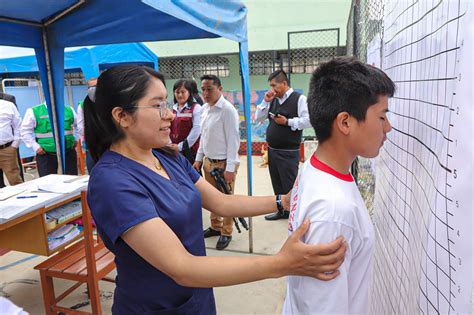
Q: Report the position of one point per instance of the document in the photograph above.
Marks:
(10, 191)
(62, 184)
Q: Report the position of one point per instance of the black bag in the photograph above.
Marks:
(186, 151)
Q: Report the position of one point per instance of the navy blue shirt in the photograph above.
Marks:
(122, 193)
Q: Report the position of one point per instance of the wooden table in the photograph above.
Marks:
(27, 230)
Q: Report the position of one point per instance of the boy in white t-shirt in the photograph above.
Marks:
(348, 103)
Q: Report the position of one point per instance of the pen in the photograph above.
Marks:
(25, 197)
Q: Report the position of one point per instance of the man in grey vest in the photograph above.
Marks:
(287, 112)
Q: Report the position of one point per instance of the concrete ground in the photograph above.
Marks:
(20, 282)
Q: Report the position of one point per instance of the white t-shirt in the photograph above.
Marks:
(333, 204)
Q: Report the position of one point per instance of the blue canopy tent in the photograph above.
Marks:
(90, 60)
(50, 26)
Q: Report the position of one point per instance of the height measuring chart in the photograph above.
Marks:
(423, 210)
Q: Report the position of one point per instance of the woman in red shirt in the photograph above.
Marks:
(186, 126)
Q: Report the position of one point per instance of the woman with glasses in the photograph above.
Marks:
(147, 206)
(186, 125)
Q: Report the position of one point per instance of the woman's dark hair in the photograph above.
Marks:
(344, 84)
(120, 86)
(195, 92)
(187, 85)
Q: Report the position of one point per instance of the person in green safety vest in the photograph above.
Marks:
(91, 83)
(36, 132)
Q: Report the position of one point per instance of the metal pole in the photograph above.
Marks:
(64, 12)
(53, 102)
(338, 38)
(243, 46)
(356, 29)
(289, 61)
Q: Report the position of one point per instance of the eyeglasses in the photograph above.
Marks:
(163, 106)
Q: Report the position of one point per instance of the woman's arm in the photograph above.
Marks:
(237, 205)
(158, 245)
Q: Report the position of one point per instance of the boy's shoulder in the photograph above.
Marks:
(322, 197)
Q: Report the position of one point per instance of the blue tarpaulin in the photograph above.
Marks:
(88, 59)
(50, 26)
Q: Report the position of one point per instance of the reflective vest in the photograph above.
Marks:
(44, 133)
(182, 125)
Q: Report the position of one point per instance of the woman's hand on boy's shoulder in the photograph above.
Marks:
(320, 261)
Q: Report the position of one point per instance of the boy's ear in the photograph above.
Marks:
(343, 123)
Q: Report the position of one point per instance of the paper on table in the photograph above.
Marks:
(10, 191)
(61, 186)
(13, 206)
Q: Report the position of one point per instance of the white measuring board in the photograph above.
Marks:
(423, 210)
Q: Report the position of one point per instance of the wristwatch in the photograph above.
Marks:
(280, 208)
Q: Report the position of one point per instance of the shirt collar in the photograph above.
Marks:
(327, 169)
(219, 103)
(286, 95)
(176, 106)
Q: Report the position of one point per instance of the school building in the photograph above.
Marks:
(291, 35)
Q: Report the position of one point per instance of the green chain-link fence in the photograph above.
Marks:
(364, 26)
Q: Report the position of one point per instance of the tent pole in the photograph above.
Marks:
(244, 69)
(19, 21)
(53, 102)
(64, 12)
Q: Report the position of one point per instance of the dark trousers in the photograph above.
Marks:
(283, 167)
(48, 163)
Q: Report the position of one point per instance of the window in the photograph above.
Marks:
(306, 60)
(262, 63)
(194, 67)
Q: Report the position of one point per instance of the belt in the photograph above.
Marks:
(6, 145)
(215, 160)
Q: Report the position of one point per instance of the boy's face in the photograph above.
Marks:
(370, 134)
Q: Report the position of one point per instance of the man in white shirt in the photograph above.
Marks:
(219, 148)
(10, 98)
(287, 112)
(348, 105)
(36, 133)
(10, 122)
(91, 84)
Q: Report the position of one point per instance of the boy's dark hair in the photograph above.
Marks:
(344, 84)
(120, 86)
(279, 76)
(215, 80)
